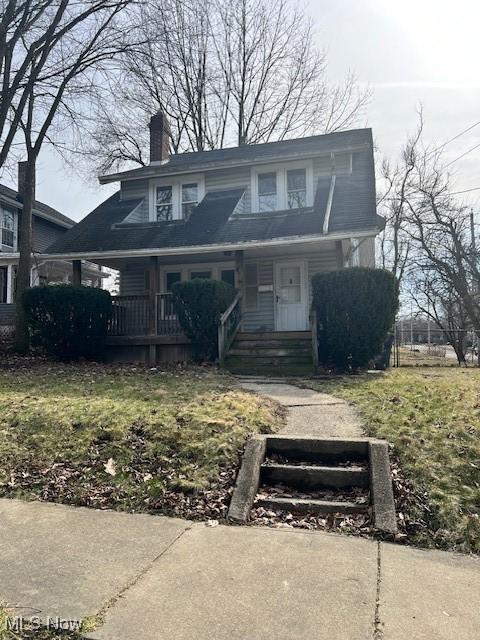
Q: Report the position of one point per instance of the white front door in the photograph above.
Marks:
(290, 296)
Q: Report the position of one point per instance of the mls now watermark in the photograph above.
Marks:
(18, 624)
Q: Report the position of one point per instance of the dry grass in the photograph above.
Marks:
(431, 417)
(125, 438)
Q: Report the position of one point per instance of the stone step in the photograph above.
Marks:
(274, 335)
(314, 477)
(303, 505)
(325, 451)
(239, 350)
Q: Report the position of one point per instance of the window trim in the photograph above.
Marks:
(281, 171)
(13, 230)
(176, 183)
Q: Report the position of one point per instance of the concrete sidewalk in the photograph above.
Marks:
(162, 578)
(310, 413)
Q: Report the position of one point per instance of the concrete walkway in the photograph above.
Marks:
(161, 578)
(310, 413)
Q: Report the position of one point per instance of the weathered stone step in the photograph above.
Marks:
(314, 477)
(326, 451)
(274, 335)
(267, 351)
(303, 505)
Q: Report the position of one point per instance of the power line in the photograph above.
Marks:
(454, 137)
(463, 155)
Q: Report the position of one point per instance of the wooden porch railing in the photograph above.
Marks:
(132, 316)
(166, 323)
(228, 327)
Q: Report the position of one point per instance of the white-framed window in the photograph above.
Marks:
(164, 203)
(267, 191)
(7, 228)
(282, 187)
(175, 198)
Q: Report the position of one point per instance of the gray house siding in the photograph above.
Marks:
(7, 315)
(44, 233)
(340, 164)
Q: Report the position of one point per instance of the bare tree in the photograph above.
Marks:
(437, 300)
(50, 95)
(225, 72)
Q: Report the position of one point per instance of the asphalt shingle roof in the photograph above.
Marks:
(214, 220)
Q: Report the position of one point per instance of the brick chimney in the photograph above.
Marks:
(159, 137)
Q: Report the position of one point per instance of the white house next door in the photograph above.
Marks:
(290, 296)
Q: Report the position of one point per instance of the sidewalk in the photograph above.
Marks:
(163, 578)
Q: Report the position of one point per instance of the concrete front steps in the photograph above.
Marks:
(318, 476)
(285, 352)
(294, 468)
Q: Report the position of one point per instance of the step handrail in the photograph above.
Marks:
(228, 327)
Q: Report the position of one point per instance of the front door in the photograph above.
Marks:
(290, 296)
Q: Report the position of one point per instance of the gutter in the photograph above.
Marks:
(209, 248)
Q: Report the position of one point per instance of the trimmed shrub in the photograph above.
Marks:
(199, 304)
(68, 321)
(356, 310)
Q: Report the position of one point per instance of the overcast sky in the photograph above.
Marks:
(409, 52)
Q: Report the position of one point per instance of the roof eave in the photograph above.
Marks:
(211, 248)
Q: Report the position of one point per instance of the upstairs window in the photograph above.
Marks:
(282, 187)
(296, 188)
(7, 224)
(267, 191)
(174, 198)
(164, 204)
(189, 199)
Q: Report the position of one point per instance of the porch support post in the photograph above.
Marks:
(152, 301)
(240, 270)
(339, 254)
(77, 272)
(240, 277)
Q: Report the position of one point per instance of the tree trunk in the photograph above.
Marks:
(24, 264)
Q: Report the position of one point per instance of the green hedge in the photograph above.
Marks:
(67, 321)
(199, 304)
(356, 310)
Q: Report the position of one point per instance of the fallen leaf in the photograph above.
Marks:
(110, 467)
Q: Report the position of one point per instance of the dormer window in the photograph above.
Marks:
(175, 198)
(189, 198)
(296, 188)
(164, 205)
(281, 187)
(267, 191)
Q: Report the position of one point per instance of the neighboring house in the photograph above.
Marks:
(263, 217)
(48, 225)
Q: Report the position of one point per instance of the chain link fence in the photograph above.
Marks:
(430, 346)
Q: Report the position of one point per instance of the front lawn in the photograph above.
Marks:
(125, 438)
(431, 417)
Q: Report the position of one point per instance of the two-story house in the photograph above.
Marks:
(262, 217)
(48, 225)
